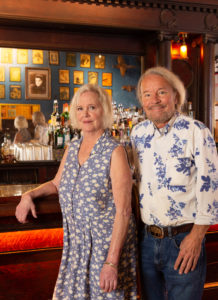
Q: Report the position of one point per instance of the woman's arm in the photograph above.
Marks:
(27, 205)
(121, 187)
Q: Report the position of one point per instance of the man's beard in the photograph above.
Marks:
(163, 118)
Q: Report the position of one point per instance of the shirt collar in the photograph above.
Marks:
(164, 130)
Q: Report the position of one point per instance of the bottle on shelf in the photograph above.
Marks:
(59, 137)
(7, 150)
(55, 113)
(191, 112)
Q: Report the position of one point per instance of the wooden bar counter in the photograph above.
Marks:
(30, 253)
(48, 210)
(27, 172)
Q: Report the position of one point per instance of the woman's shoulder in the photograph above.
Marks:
(110, 140)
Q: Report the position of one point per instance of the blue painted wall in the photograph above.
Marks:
(128, 99)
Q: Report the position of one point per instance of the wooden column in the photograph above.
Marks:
(164, 50)
(206, 100)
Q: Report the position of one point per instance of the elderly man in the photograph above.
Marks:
(176, 163)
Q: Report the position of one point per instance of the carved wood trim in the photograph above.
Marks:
(175, 5)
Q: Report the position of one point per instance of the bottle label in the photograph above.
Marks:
(59, 140)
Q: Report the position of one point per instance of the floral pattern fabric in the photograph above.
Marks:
(177, 169)
(88, 210)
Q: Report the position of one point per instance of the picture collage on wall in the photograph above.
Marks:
(38, 79)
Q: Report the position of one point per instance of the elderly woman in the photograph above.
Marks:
(41, 128)
(23, 135)
(94, 185)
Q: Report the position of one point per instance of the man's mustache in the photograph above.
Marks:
(156, 106)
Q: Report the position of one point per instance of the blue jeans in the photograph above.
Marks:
(159, 280)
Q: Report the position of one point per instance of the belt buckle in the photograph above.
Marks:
(156, 231)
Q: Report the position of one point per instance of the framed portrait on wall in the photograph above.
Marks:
(6, 55)
(64, 76)
(38, 83)
(2, 91)
(85, 60)
(15, 74)
(106, 79)
(99, 61)
(2, 73)
(78, 77)
(37, 57)
(64, 92)
(53, 57)
(22, 56)
(71, 59)
(15, 91)
(93, 77)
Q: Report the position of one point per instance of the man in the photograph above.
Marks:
(177, 165)
(39, 86)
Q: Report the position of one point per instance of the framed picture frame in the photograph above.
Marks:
(93, 77)
(37, 57)
(106, 79)
(99, 61)
(64, 76)
(85, 60)
(109, 91)
(64, 93)
(15, 74)
(38, 83)
(22, 56)
(53, 57)
(15, 91)
(2, 74)
(75, 90)
(78, 77)
(70, 59)
(2, 91)
(6, 55)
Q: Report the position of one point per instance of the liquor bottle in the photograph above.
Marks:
(55, 113)
(66, 134)
(59, 137)
(51, 135)
(191, 112)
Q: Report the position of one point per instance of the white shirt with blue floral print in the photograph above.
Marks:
(177, 169)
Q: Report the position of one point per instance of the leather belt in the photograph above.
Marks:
(162, 232)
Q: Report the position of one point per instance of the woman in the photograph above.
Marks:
(23, 135)
(41, 128)
(94, 185)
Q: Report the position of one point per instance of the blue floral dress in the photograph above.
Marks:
(88, 215)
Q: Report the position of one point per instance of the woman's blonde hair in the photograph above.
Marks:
(20, 122)
(38, 118)
(104, 100)
(173, 80)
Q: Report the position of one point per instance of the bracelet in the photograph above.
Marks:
(110, 264)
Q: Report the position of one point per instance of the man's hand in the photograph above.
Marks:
(108, 278)
(190, 249)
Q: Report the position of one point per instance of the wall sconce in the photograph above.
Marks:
(183, 47)
(179, 49)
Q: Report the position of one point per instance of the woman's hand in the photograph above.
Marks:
(108, 278)
(24, 207)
